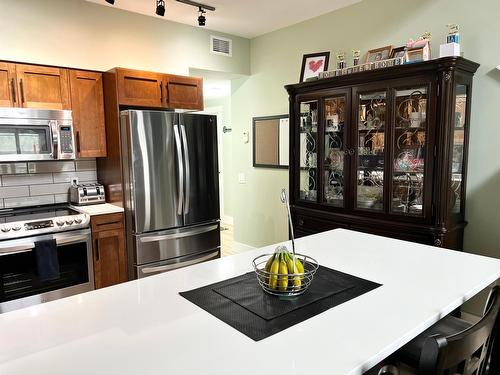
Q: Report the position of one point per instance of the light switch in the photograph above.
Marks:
(245, 137)
(242, 178)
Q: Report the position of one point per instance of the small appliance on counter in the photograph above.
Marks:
(85, 194)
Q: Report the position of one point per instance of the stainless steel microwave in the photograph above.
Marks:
(35, 134)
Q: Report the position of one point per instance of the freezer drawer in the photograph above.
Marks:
(174, 243)
(172, 264)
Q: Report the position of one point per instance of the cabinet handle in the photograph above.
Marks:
(13, 88)
(161, 92)
(21, 86)
(109, 223)
(352, 152)
(78, 141)
(168, 92)
(346, 152)
(301, 222)
(96, 249)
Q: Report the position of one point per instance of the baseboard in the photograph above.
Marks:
(239, 247)
(228, 220)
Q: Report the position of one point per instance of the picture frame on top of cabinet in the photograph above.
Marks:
(378, 54)
(313, 64)
(398, 52)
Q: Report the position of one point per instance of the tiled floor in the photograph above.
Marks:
(227, 240)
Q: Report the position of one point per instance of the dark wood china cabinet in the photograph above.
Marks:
(383, 151)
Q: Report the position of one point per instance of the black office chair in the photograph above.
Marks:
(453, 346)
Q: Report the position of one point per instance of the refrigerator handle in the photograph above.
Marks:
(188, 169)
(180, 169)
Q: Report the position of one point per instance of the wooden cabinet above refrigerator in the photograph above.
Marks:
(137, 88)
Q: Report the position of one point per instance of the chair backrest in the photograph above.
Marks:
(467, 352)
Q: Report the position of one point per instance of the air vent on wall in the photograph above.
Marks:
(221, 46)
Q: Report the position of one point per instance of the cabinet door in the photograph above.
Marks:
(370, 136)
(335, 152)
(307, 178)
(411, 150)
(109, 251)
(138, 88)
(8, 93)
(184, 92)
(43, 87)
(88, 113)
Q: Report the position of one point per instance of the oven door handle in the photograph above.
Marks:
(24, 248)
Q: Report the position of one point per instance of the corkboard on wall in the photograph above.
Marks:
(267, 142)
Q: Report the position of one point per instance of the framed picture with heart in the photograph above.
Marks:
(313, 64)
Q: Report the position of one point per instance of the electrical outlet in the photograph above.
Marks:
(242, 178)
(74, 180)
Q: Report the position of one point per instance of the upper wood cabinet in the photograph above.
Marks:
(184, 92)
(155, 90)
(8, 94)
(88, 113)
(42, 87)
(138, 88)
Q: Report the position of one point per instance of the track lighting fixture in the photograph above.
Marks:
(202, 8)
(160, 7)
(112, 2)
(201, 18)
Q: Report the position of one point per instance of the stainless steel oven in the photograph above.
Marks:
(35, 134)
(20, 285)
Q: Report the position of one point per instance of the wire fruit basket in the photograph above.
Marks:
(285, 284)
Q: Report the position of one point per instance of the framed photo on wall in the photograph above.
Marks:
(378, 54)
(313, 64)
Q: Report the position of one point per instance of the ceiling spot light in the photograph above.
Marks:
(112, 2)
(201, 18)
(160, 7)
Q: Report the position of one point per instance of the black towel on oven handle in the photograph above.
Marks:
(46, 260)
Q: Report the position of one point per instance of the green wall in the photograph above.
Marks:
(80, 34)
(275, 61)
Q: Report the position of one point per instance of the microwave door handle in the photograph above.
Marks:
(55, 139)
(188, 169)
(180, 169)
(173, 266)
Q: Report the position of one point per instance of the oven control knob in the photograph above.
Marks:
(5, 228)
(60, 223)
(78, 220)
(69, 221)
(16, 227)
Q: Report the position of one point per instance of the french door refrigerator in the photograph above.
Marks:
(171, 189)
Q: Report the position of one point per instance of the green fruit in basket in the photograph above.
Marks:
(273, 279)
(283, 270)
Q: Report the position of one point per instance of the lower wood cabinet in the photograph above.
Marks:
(108, 247)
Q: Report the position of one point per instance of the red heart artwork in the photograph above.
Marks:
(315, 65)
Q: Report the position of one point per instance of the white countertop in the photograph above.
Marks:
(98, 209)
(145, 327)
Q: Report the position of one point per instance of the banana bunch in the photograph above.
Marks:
(284, 272)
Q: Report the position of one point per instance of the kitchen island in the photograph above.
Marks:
(146, 327)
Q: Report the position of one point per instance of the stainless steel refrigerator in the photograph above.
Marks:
(171, 189)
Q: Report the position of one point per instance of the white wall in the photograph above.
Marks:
(80, 34)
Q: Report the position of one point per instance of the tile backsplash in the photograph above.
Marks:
(47, 182)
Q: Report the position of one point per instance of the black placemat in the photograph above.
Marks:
(258, 328)
(246, 292)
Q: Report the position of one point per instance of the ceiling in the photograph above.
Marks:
(246, 18)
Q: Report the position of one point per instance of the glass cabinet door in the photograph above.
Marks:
(308, 151)
(457, 160)
(409, 150)
(370, 133)
(335, 145)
